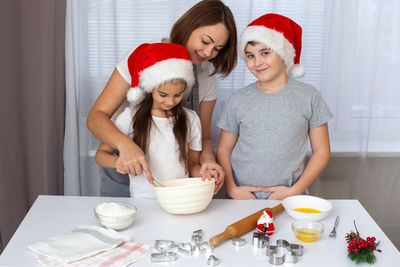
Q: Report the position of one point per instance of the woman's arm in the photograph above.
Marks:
(227, 142)
(320, 147)
(209, 167)
(99, 123)
(193, 163)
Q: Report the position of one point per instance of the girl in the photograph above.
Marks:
(167, 133)
(208, 31)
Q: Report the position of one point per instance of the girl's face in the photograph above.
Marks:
(263, 63)
(167, 96)
(205, 42)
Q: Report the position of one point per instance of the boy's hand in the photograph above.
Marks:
(211, 170)
(244, 192)
(279, 192)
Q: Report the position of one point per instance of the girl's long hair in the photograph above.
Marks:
(143, 122)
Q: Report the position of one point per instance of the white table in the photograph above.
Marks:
(52, 215)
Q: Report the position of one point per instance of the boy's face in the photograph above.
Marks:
(263, 63)
(167, 96)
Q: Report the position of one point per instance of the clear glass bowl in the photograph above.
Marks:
(107, 215)
(307, 231)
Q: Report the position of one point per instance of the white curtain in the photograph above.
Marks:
(350, 51)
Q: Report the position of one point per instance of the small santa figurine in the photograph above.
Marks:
(265, 224)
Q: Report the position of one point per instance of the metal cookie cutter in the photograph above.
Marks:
(284, 252)
(213, 261)
(238, 241)
(260, 240)
(206, 248)
(185, 249)
(164, 256)
(164, 245)
(197, 236)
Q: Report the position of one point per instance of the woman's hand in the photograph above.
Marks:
(132, 160)
(212, 170)
(280, 192)
(244, 192)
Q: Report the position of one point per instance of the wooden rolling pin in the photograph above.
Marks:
(243, 226)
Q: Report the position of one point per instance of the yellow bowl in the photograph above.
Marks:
(185, 196)
(301, 207)
(307, 231)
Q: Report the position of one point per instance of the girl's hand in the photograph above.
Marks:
(244, 192)
(132, 160)
(279, 192)
(212, 170)
(121, 168)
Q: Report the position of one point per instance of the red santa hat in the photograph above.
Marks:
(152, 65)
(279, 33)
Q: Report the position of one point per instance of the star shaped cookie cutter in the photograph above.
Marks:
(284, 252)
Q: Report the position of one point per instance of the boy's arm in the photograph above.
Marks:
(227, 142)
(105, 157)
(319, 140)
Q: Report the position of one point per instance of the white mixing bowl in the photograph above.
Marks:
(310, 202)
(185, 196)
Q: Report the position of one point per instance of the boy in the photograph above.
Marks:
(265, 125)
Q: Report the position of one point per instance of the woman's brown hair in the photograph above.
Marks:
(143, 121)
(205, 13)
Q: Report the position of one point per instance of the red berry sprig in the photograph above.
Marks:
(362, 250)
(356, 246)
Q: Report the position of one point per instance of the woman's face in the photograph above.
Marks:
(205, 42)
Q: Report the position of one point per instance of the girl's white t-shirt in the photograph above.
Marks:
(163, 150)
(208, 85)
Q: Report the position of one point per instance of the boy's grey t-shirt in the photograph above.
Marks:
(273, 132)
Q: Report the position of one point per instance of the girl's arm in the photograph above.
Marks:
(227, 142)
(98, 122)
(320, 147)
(209, 166)
(105, 157)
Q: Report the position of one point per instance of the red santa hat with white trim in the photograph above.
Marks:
(279, 33)
(151, 65)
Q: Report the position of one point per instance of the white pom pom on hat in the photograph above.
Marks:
(279, 33)
(135, 95)
(297, 71)
(151, 65)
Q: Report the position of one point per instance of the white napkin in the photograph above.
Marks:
(81, 242)
(123, 255)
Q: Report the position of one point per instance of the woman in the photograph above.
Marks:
(208, 32)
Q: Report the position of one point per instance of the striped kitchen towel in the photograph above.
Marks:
(123, 255)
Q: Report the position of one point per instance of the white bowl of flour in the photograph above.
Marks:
(115, 215)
